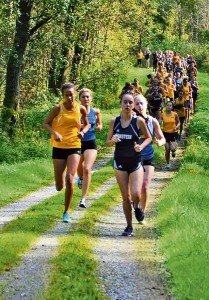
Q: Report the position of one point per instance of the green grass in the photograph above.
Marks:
(183, 217)
(16, 237)
(22, 178)
(75, 269)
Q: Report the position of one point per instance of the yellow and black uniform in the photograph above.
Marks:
(169, 126)
(68, 124)
(139, 56)
(186, 94)
(178, 106)
(170, 91)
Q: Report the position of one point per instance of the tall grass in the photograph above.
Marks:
(183, 217)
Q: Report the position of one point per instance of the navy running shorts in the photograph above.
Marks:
(127, 164)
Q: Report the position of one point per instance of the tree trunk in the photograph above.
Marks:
(79, 51)
(14, 65)
(76, 62)
(56, 73)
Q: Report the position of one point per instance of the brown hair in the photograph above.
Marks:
(68, 85)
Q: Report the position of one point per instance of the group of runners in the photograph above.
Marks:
(170, 98)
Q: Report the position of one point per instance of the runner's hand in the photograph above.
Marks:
(57, 137)
(137, 147)
(115, 138)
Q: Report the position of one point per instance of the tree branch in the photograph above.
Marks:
(39, 25)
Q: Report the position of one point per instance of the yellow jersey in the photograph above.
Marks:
(180, 110)
(169, 122)
(186, 91)
(68, 124)
(139, 55)
(170, 89)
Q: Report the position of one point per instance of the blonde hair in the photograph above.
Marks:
(140, 97)
(85, 90)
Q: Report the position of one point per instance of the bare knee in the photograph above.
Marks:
(69, 179)
(86, 170)
(136, 195)
(145, 185)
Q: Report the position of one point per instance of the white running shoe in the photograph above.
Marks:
(82, 203)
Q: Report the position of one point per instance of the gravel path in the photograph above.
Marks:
(30, 278)
(12, 211)
(130, 267)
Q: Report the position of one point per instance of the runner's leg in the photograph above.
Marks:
(89, 159)
(72, 165)
(59, 172)
(148, 174)
(122, 178)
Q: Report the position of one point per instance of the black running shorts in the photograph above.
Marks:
(85, 145)
(61, 153)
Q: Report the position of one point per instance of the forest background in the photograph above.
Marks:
(46, 43)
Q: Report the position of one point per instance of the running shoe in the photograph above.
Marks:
(139, 214)
(66, 217)
(168, 166)
(82, 203)
(128, 231)
(80, 183)
(173, 153)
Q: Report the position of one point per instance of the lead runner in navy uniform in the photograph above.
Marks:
(124, 132)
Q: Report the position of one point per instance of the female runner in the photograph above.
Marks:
(64, 125)
(171, 125)
(88, 144)
(147, 154)
(124, 132)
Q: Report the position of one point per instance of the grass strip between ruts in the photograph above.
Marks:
(74, 268)
(17, 236)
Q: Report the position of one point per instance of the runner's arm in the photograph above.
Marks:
(111, 138)
(145, 132)
(47, 124)
(85, 122)
(99, 119)
(159, 137)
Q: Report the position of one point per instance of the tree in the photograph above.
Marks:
(23, 32)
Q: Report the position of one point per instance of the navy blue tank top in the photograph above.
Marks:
(128, 135)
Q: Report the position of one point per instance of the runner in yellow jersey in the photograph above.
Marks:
(187, 95)
(64, 125)
(170, 88)
(179, 108)
(139, 56)
(171, 125)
